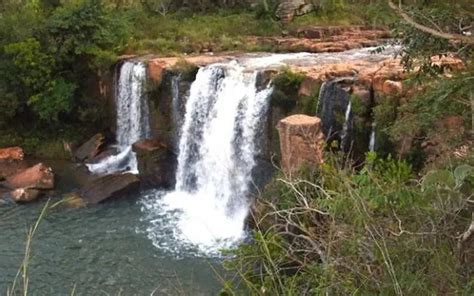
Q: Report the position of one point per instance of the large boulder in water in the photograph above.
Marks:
(39, 176)
(156, 163)
(91, 148)
(301, 142)
(107, 187)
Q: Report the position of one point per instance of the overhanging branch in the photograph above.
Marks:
(408, 19)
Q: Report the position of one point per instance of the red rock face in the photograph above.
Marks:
(301, 142)
(11, 153)
(36, 177)
(156, 69)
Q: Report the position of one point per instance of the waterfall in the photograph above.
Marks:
(217, 151)
(132, 119)
(372, 137)
(345, 135)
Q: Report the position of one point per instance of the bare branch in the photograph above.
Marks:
(449, 36)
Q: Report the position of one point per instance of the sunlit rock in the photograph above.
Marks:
(301, 142)
(39, 176)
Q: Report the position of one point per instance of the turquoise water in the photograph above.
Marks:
(99, 250)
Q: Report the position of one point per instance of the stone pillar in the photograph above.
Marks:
(301, 142)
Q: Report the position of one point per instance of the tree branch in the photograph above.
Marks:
(408, 19)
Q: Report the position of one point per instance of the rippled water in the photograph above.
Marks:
(101, 250)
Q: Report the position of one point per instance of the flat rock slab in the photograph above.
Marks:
(39, 176)
(110, 186)
(91, 148)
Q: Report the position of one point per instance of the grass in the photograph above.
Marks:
(229, 30)
(20, 284)
(338, 231)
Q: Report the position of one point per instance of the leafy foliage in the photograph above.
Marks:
(374, 231)
(45, 67)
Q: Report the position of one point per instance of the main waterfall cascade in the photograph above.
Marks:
(216, 157)
(217, 149)
(132, 119)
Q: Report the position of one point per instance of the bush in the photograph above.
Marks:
(376, 231)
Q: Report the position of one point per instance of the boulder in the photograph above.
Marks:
(11, 154)
(24, 195)
(107, 187)
(301, 142)
(391, 87)
(91, 148)
(39, 176)
(156, 163)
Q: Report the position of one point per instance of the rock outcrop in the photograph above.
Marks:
(156, 163)
(288, 9)
(107, 187)
(27, 184)
(317, 39)
(301, 142)
(91, 148)
(39, 177)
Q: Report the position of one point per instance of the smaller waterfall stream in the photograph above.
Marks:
(345, 128)
(132, 120)
(372, 137)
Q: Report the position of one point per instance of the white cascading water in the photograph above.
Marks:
(216, 157)
(132, 120)
(345, 127)
(372, 138)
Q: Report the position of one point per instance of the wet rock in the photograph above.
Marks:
(156, 163)
(39, 176)
(91, 148)
(24, 195)
(301, 142)
(107, 152)
(332, 107)
(107, 187)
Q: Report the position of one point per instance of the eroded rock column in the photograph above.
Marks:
(301, 142)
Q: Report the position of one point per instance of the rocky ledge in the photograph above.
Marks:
(21, 183)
